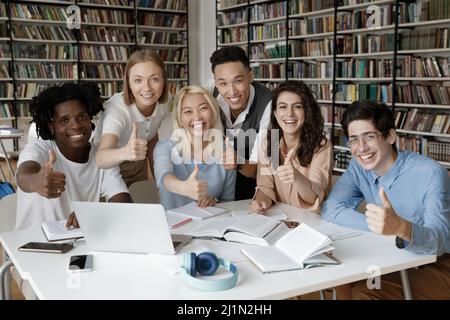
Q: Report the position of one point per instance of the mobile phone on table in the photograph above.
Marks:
(81, 263)
(46, 247)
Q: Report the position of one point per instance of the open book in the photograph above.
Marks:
(299, 248)
(191, 210)
(253, 229)
(56, 230)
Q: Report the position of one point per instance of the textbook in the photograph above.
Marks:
(56, 230)
(191, 210)
(302, 247)
(254, 229)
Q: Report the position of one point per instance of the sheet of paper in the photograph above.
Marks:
(334, 231)
(274, 213)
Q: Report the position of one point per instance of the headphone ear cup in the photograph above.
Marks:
(190, 263)
(207, 263)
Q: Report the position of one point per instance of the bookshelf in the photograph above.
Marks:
(345, 51)
(38, 50)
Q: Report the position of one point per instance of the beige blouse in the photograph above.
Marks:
(319, 172)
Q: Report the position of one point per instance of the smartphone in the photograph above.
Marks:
(47, 247)
(81, 263)
(291, 224)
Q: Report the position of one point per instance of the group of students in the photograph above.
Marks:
(237, 141)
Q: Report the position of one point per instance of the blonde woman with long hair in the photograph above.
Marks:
(189, 166)
(128, 128)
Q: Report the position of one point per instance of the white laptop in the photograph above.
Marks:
(127, 227)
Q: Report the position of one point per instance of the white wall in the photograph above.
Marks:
(202, 39)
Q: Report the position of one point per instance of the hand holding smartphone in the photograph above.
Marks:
(46, 247)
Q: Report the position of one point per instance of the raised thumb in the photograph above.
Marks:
(384, 199)
(195, 172)
(134, 131)
(290, 156)
(51, 159)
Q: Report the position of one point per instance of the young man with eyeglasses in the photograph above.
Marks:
(407, 195)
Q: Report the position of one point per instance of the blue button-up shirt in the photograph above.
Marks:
(418, 189)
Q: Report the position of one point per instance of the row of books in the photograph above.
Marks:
(176, 71)
(267, 11)
(269, 70)
(327, 113)
(161, 37)
(229, 3)
(311, 25)
(42, 32)
(163, 4)
(6, 90)
(268, 50)
(107, 89)
(4, 51)
(238, 34)
(321, 91)
(109, 53)
(3, 30)
(437, 150)
(232, 17)
(163, 20)
(102, 71)
(424, 67)
(364, 68)
(30, 89)
(23, 109)
(6, 110)
(363, 19)
(102, 34)
(45, 51)
(267, 31)
(313, 48)
(174, 87)
(364, 43)
(106, 16)
(364, 91)
(424, 94)
(314, 69)
(4, 73)
(46, 70)
(422, 120)
(424, 10)
(108, 2)
(304, 6)
(39, 12)
(179, 55)
(425, 39)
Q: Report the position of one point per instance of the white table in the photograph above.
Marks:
(134, 276)
(5, 153)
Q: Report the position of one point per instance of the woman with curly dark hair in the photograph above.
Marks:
(304, 177)
(60, 167)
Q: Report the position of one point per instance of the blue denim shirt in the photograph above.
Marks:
(418, 189)
(221, 182)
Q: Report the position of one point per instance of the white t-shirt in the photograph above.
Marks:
(84, 182)
(117, 119)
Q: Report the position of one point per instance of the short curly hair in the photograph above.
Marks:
(42, 107)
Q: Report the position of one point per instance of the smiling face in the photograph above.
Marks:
(146, 83)
(370, 148)
(289, 113)
(71, 127)
(233, 80)
(196, 114)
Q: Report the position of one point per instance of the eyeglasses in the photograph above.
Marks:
(368, 138)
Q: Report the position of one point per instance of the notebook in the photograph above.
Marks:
(56, 231)
(191, 210)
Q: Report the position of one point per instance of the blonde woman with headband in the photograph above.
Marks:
(128, 128)
(189, 166)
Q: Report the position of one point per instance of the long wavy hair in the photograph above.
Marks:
(311, 136)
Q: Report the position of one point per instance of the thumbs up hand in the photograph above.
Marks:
(197, 189)
(49, 183)
(286, 172)
(229, 156)
(383, 219)
(136, 148)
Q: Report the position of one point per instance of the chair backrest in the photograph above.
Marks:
(8, 205)
(144, 192)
